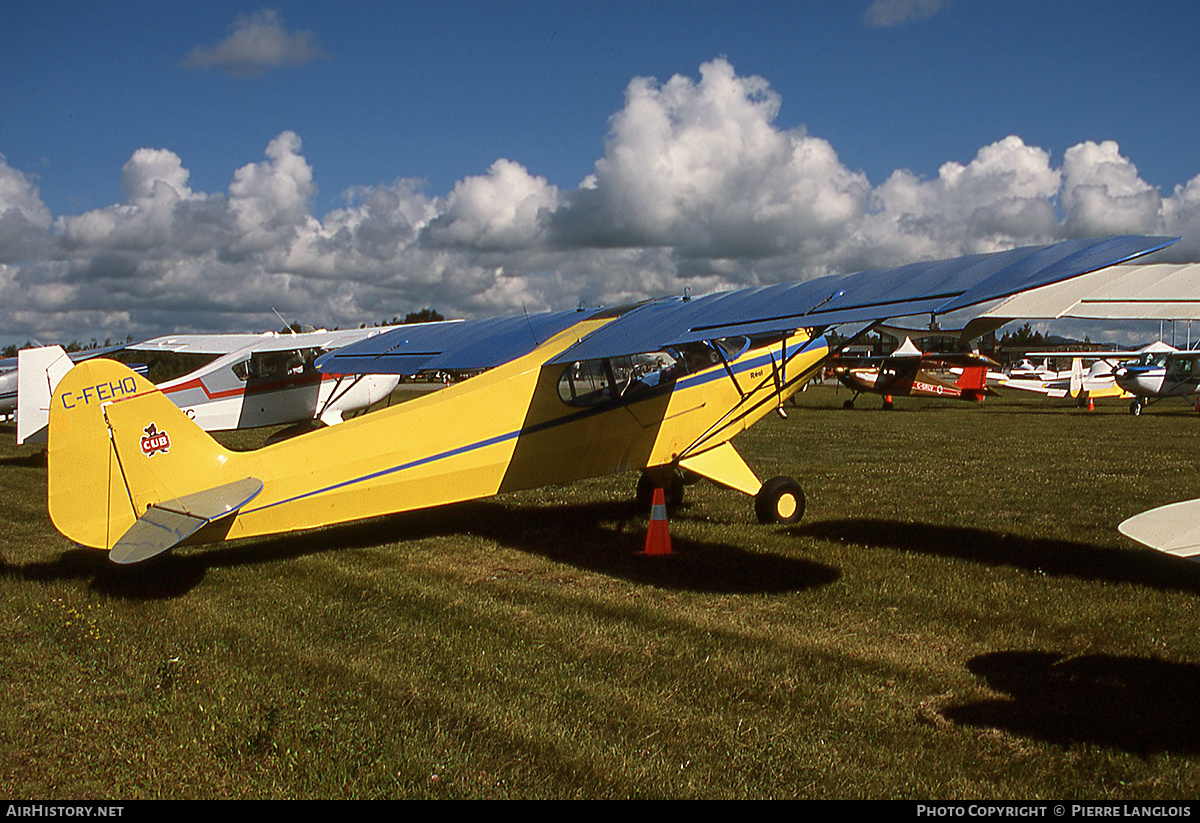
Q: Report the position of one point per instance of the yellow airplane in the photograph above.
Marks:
(662, 387)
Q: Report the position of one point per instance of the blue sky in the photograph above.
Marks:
(486, 157)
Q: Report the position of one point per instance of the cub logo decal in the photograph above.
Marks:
(155, 441)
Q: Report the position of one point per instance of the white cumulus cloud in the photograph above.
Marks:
(257, 43)
(698, 188)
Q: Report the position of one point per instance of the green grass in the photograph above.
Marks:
(956, 617)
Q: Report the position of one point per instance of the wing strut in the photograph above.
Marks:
(338, 393)
(744, 398)
(728, 369)
(779, 372)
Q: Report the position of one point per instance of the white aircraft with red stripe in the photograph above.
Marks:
(255, 380)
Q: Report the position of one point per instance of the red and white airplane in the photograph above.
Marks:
(909, 372)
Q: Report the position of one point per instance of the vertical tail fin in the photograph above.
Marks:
(973, 378)
(116, 446)
(1076, 377)
(38, 372)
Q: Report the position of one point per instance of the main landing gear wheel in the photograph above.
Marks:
(780, 500)
(1135, 408)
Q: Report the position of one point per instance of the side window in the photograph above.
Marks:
(583, 383)
(590, 382)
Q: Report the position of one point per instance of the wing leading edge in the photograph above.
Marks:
(461, 346)
(928, 288)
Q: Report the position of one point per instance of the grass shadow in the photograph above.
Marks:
(606, 538)
(32, 460)
(1141, 705)
(1065, 558)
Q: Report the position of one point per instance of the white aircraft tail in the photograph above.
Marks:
(1076, 376)
(38, 372)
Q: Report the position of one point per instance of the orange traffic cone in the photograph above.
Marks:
(658, 538)
(1091, 404)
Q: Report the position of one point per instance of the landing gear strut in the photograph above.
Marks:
(672, 486)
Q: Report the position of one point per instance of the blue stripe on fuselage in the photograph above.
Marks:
(686, 382)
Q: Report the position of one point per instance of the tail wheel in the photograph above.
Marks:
(780, 500)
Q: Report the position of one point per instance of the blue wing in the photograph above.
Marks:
(463, 345)
(930, 288)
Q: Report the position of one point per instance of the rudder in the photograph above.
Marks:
(973, 378)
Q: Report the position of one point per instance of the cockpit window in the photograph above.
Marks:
(1182, 367)
(590, 382)
(276, 364)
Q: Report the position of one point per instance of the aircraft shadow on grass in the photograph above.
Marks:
(34, 460)
(1059, 558)
(606, 538)
(1141, 705)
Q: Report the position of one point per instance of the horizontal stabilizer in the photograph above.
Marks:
(169, 523)
(1174, 529)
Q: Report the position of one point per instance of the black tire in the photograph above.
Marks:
(1135, 408)
(780, 500)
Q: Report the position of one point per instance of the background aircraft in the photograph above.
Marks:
(8, 386)
(246, 381)
(908, 372)
(1097, 381)
(1160, 373)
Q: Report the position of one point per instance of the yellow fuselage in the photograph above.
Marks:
(506, 429)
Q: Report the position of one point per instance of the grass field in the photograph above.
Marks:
(955, 617)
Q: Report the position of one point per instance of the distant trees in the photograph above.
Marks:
(1025, 337)
(74, 346)
(422, 316)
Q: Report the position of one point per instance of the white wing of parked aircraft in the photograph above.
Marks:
(1174, 529)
